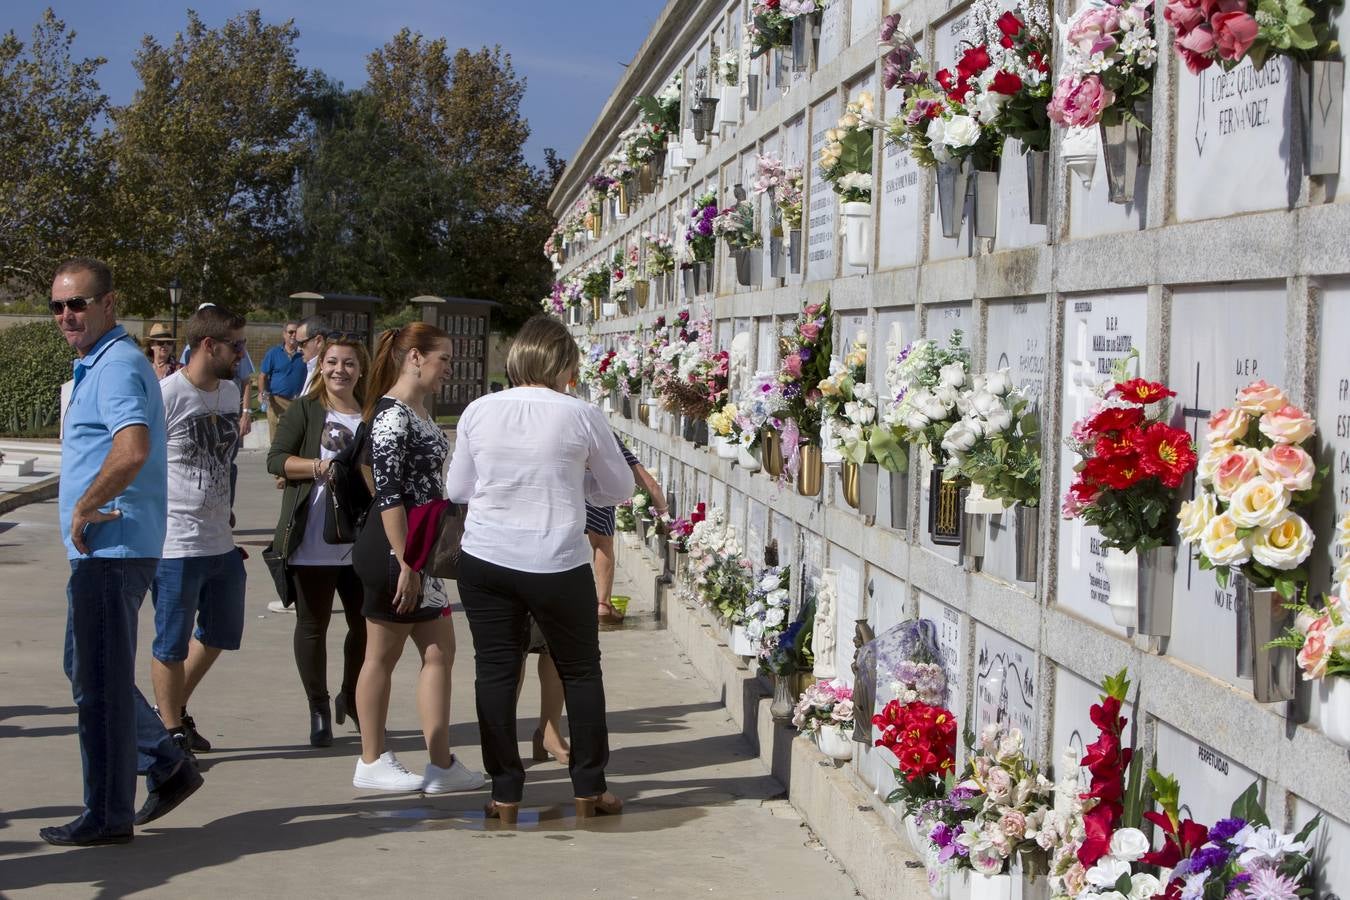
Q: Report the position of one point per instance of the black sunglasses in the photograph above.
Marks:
(76, 304)
(238, 346)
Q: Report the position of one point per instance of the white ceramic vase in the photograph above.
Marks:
(1122, 571)
(1334, 694)
(834, 743)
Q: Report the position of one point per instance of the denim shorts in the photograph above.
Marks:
(207, 588)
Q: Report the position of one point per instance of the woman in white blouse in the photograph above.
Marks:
(526, 461)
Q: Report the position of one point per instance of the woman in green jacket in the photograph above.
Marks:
(314, 430)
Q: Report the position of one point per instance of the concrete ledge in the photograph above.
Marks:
(46, 489)
(844, 815)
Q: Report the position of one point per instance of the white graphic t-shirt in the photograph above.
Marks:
(203, 429)
(338, 431)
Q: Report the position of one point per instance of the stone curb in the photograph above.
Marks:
(46, 489)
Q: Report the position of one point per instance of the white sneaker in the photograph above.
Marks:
(277, 606)
(385, 774)
(458, 777)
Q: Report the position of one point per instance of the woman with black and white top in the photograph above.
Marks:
(311, 433)
(526, 460)
(407, 456)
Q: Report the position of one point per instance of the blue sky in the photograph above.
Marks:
(570, 53)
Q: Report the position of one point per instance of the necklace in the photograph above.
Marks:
(215, 413)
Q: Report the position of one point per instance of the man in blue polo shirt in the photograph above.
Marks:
(282, 374)
(113, 507)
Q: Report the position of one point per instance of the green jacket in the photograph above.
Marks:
(299, 433)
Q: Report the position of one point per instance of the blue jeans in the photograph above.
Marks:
(120, 734)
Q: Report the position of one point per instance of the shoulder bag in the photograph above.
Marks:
(435, 531)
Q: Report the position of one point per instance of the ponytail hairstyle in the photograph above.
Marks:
(318, 389)
(390, 351)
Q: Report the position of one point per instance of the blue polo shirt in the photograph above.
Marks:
(115, 387)
(285, 371)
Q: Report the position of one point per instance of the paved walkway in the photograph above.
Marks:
(277, 817)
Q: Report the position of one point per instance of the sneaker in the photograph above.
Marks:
(458, 777)
(277, 606)
(385, 774)
(184, 742)
(198, 743)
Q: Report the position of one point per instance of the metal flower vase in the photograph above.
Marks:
(700, 432)
(752, 92)
(771, 445)
(869, 486)
(647, 178)
(642, 291)
(1120, 150)
(626, 406)
(644, 413)
(899, 500)
(743, 266)
(944, 510)
(705, 276)
(986, 204)
(1143, 111)
(1156, 568)
(952, 184)
(1038, 186)
(974, 540)
(696, 124)
(777, 258)
(801, 43)
(623, 203)
(795, 251)
(1261, 618)
(708, 113)
(834, 743)
(1028, 542)
(1333, 692)
(690, 277)
(1321, 84)
(857, 233)
(848, 482)
(783, 701)
(811, 473)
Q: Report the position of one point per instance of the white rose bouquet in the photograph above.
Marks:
(1253, 473)
(925, 382)
(997, 442)
(767, 608)
(846, 157)
(850, 406)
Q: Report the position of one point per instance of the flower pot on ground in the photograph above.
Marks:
(783, 703)
(1320, 84)
(747, 458)
(1334, 693)
(1261, 618)
(1120, 150)
(1028, 546)
(857, 233)
(1038, 186)
(811, 473)
(835, 743)
(986, 204)
(952, 183)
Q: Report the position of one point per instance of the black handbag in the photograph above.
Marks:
(281, 576)
(348, 496)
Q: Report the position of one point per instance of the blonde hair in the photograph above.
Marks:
(542, 353)
(318, 390)
(390, 352)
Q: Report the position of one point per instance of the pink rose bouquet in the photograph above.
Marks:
(1109, 58)
(1229, 31)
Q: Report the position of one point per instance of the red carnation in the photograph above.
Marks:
(1141, 390)
(1009, 24)
(1116, 418)
(973, 61)
(1006, 83)
(1166, 453)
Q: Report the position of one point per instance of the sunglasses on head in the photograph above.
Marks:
(74, 304)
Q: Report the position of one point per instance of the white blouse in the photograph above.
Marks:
(526, 461)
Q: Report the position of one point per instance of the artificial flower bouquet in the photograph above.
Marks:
(804, 361)
(996, 445)
(758, 409)
(607, 374)
(724, 422)
(767, 608)
(591, 355)
(628, 371)
(690, 377)
(625, 517)
(795, 9)
(922, 738)
(660, 253)
(555, 303)
(783, 184)
(600, 185)
(792, 652)
(681, 528)
(660, 118)
(595, 280)
(699, 240)
(1131, 465)
(620, 274)
(846, 156)
(1016, 81)
(825, 704)
(736, 225)
(768, 28)
(1234, 30)
(851, 410)
(721, 573)
(1253, 474)
(924, 380)
(1110, 55)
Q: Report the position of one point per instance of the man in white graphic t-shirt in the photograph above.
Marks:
(201, 575)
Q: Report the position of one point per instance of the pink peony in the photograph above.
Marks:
(1092, 26)
(1080, 102)
(1287, 425)
(1234, 32)
(1315, 655)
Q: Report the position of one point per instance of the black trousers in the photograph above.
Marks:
(315, 586)
(499, 602)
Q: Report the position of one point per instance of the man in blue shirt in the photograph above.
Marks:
(282, 375)
(113, 508)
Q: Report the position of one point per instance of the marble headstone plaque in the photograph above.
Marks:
(863, 18)
(1091, 211)
(1333, 418)
(1235, 128)
(1098, 330)
(951, 635)
(847, 608)
(899, 194)
(756, 532)
(822, 204)
(1208, 364)
(940, 321)
(766, 346)
(1210, 781)
(886, 607)
(1014, 207)
(785, 534)
(1330, 861)
(1005, 685)
(832, 34)
(1016, 338)
(736, 518)
(1071, 725)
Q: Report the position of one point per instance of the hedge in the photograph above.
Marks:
(35, 361)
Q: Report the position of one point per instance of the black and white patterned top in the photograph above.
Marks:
(407, 456)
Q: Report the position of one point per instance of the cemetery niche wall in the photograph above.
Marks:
(1226, 266)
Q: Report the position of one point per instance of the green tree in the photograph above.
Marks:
(206, 158)
(52, 175)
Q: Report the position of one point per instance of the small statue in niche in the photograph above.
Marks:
(822, 636)
(738, 366)
(864, 681)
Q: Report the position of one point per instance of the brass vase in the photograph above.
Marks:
(595, 309)
(812, 470)
(623, 199)
(641, 293)
(644, 412)
(848, 475)
(771, 443)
